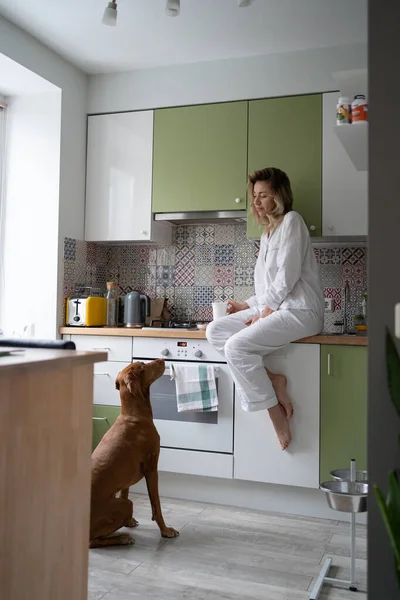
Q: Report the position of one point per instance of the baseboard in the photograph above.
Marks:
(246, 494)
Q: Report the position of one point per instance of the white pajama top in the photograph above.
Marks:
(286, 275)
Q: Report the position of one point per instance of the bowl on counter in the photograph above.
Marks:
(361, 330)
(201, 326)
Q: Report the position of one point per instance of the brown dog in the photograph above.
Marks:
(128, 452)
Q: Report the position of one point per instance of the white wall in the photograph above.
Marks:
(27, 51)
(234, 79)
(32, 186)
(247, 494)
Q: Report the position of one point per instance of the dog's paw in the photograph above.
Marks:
(169, 532)
(131, 522)
(126, 540)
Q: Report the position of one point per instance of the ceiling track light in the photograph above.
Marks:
(110, 14)
(173, 8)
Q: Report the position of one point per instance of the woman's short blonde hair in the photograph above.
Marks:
(280, 189)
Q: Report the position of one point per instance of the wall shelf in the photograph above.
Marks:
(354, 139)
(351, 82)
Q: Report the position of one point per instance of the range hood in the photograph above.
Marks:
(209, 216)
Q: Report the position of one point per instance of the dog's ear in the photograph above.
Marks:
(132, 377)
(117, 383)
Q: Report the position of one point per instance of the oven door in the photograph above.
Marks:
(208, 431)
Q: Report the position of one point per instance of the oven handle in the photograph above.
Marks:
(168, 362)
(167, 372)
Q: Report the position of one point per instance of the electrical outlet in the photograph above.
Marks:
(329, 305)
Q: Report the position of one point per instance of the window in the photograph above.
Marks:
(3, 116)
(30, 215)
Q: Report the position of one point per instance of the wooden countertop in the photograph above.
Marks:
(38, 357)
(337, 340)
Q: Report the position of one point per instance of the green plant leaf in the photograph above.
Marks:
(397, 570)
(393, 370)
(386, 519)
(393, 507)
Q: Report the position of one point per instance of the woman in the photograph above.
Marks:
(288, 303)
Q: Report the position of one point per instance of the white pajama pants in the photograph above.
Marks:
(245, 346)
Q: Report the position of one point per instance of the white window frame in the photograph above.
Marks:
(3, 122)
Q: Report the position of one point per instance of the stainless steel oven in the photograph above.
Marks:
(207, 431)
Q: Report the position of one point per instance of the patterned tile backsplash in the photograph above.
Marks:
(205, 263)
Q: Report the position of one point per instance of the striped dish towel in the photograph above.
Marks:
(196, 389)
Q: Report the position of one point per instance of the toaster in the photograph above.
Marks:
(86, 311)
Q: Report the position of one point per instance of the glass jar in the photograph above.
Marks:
(112, 304)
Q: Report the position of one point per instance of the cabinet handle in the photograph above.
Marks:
(101, 348)
(102, 374)
(143, 232)
(329, 364)
(312, 227)
(238, 200)
(101, 419)
(330, 227)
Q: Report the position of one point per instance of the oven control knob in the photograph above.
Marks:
(198, 354)
(165, 352)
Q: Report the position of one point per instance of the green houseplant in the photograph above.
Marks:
(390, 506)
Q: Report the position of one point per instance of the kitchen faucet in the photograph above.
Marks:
(346, 302)
(346, 306)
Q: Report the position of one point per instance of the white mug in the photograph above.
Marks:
(219, 309)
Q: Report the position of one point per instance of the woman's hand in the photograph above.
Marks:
(252, 320)
(265, 313)
(234, 307)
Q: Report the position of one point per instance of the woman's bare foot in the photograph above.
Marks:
(279, 383)
(279, 420)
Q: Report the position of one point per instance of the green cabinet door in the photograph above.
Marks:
(103, 418)
(343, 408)
(287, 133)
(200, 158)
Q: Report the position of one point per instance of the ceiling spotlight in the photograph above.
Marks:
(110, 14)
(173, 8)
(244, 3)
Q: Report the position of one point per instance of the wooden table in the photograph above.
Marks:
(46, 404)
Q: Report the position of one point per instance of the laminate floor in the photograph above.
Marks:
(224, 553)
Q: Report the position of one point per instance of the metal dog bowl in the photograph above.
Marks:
(346, 496)
(344, 475)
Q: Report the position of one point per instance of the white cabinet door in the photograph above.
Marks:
(119, 179)
(257, 453)
(104, 391)
(117, 348)
(344, 189)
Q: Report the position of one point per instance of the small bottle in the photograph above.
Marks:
(359, 109)
(112, 304)
(343, 111)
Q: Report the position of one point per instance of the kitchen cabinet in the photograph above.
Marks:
(105, 374)
(257, 453)
(343, 408)
(119, 349)
(344, 189)
(200, 158)
(286, 133)
(119, 180)
(103, 418)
